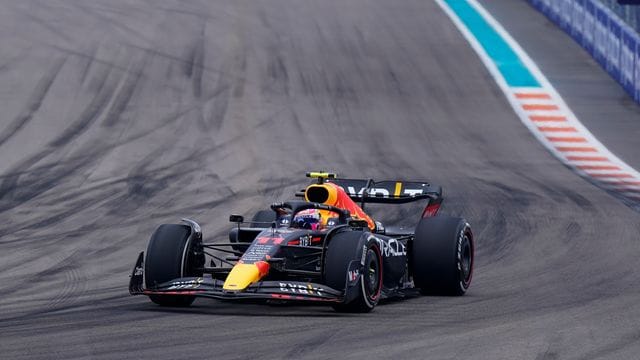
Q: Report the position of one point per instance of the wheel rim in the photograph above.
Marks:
(466, 260)
(372, 275)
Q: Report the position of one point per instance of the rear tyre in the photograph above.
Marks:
(170, 256)
(442, 256)
(263, 219)
(344, 248)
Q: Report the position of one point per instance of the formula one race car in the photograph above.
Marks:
(324, 249)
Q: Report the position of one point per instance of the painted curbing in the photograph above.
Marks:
(540, 107)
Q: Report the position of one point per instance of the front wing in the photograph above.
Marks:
(291, 291)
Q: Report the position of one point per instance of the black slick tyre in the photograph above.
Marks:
(442, 255)
(170, 256)
(344, 248)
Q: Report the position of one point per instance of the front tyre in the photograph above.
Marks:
(170, 255)
(442, 256)
(342, 251)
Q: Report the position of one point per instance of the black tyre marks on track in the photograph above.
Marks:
(200, 109)
(34, 102)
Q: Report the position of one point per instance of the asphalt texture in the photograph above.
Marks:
(119, 115)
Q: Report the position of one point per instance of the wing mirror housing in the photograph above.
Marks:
(234, 218)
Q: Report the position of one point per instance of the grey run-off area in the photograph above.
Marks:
(119, 115)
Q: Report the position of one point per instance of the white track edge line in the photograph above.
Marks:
(517, 103)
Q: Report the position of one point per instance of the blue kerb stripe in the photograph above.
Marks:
(512, 69)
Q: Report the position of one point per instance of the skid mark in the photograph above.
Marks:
(34, 102)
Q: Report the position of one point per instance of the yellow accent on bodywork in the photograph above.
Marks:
(241, 276)
(321, 174)
(398, 188)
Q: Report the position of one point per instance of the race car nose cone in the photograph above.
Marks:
(263, 267)
(243, 275)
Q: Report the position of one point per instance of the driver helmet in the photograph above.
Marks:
(307, 219)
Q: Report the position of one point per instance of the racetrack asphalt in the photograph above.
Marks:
(119, 115)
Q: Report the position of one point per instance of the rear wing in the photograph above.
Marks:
(388, 192)
(385, 192)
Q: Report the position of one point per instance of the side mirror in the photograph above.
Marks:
(236, 218)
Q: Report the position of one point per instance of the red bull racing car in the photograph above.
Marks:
(324, 249)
